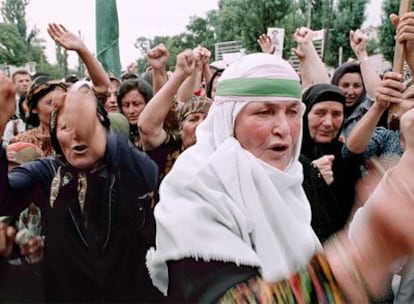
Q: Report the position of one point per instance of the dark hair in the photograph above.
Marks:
(40, 87)
(71, 78)
(348, 67)
(210, 84)
(22, 109)
(128, 75)
(143, 87)
(20, 72)
(147, 76)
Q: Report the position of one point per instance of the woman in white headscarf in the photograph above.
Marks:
(233, 222)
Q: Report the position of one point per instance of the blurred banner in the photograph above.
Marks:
(107, 34)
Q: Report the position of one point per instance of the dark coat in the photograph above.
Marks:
(97, 255)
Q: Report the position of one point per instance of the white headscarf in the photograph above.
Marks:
(219, 202)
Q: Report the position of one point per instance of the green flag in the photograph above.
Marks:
(107, 34)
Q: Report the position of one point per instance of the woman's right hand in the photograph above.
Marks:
(158, 57)
(390, 90)
(358, 41)
(324, 165)
(303, 37)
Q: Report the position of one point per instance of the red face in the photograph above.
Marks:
(269, 131)
(81, 136)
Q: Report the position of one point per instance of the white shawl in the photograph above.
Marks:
(221, 203)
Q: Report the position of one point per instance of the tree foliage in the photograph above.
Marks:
(62, 59)
(349, 15)
(18, 45)
(200, 31)
(12, 46)
(245, 20)
(14, 12)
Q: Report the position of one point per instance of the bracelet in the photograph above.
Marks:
(364, 59)
(349, 264)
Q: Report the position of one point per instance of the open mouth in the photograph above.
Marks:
(79, 149)
(280, 148)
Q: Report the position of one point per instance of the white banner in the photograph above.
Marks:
(277, 35)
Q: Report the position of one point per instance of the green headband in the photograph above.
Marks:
(259, 87)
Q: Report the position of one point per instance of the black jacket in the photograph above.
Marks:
(97, 255)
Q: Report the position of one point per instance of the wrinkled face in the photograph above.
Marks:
(46, 104)
(351, 85)
(325, 121)
(189, 126)
(269, 130)
(81, 136)
(133, 104)
(111, 104)
(22, 83)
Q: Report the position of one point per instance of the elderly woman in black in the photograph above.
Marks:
(322, 124)
(94, 196)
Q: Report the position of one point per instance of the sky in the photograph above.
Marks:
(137, 18)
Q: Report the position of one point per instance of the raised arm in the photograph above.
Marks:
(157, 58)
(358, 41)
(192, 82)
(151, 120)
(389, 90)
(312, 68)
(207, 74)
(266, 44)
(70, 41)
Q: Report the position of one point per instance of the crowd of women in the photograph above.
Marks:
(248, 184)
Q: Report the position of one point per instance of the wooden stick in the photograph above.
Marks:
(399, 55)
